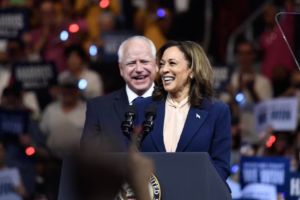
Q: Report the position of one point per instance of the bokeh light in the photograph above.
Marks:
(30, 151)
(93, 50)
(82, 84)
(64, 35)
(234, 168)
(161, 12)
(73, 28)
(271, 140)
(269, 144)
(104, 3)
(240, 97)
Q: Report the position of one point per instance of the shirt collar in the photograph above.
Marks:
(175, 104)
(132, 95)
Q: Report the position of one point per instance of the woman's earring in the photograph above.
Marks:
(191, 77)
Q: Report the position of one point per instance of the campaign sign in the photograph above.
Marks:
(259, 191)
(34, 76)
(13, 122)
(9, 178)
(265, 170)
(112, 41)
(292, 191)
(280, 113)
(12, 23)
(222, 76)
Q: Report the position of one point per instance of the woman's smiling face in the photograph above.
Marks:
(175, 72)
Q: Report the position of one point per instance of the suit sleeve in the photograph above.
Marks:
(91, 131)
(221, 142)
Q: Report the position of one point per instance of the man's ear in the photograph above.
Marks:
(121, 69)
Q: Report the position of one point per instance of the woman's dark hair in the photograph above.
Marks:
(76, 49)
(201, 83)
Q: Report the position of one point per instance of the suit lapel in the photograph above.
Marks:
(121, 103)
(191, 127)
(157, 133)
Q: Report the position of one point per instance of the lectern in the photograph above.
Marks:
(182, 176)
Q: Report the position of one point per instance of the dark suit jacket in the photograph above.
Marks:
(210, 133)
(104, 116)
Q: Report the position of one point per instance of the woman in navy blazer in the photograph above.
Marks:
(186, 74)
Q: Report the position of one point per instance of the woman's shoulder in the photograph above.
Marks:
(220, 103)
(219, 107)
(214, 105)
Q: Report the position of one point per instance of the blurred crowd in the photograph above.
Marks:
(264, 69)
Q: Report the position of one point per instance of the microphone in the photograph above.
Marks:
(127, 124)
(148, 124)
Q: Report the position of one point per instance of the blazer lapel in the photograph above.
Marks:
(121, 103)
(192, 124)
(157, 133)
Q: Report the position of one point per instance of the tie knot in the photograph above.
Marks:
(137, 99)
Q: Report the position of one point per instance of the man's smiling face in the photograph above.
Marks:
(138, 66)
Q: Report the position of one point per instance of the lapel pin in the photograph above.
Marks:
(198, 116)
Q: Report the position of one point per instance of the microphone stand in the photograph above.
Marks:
(139, 142)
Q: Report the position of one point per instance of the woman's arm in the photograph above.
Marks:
(221, 142)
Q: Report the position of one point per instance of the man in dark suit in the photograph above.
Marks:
(105, 114)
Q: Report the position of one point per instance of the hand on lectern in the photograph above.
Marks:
(138, 169)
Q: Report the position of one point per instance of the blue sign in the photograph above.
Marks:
(112, 41)
(292, 191)
(265, 170)
(222, 76)
(34, 76)
(13, 122)
(13, 23)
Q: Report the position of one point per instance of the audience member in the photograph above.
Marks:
(14, 53)
(63, 120)
(294, 89)
(44, 42)
(252, 86)
(90, 82)
(17, 143)
(62, 123)
(154, 22)
(281, 80)
(68, 16)
(231, 14)
(106, 23)
(18, 189)
(273, 45)
(91, 9)
(282, 142)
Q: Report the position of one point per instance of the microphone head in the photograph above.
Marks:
(151, 110)
(131, 111)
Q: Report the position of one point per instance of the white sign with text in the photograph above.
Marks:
(280, 113)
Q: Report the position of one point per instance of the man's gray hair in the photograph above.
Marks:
(122, 46)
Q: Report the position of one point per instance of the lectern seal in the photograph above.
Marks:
(126, 193)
